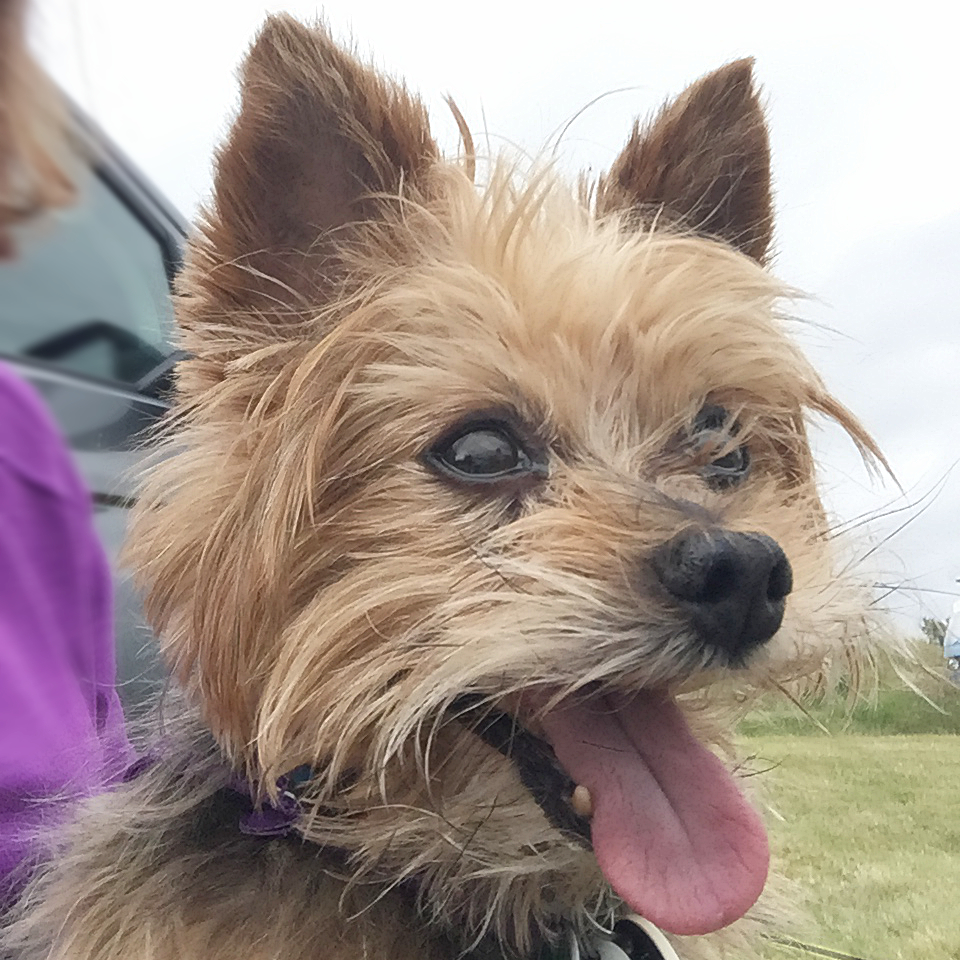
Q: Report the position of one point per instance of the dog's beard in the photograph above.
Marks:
(670, 829)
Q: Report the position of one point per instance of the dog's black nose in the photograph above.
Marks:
(731, 586)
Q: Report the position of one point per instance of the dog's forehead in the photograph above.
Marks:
(636, 326)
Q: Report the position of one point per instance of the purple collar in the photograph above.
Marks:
(265, 818)
(272, 818)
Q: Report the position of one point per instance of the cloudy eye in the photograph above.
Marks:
(712, 429)
(483, 453)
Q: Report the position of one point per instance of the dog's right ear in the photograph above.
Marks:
(319, 136)
(702, 162)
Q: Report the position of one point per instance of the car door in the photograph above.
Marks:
(86, 316)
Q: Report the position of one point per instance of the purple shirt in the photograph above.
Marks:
(61, 724)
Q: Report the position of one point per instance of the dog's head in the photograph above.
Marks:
(480, 491)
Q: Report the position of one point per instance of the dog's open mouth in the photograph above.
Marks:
(671, 831)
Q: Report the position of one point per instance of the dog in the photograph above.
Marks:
(487, 501)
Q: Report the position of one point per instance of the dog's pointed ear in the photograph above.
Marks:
(704, 161)
(318, 138)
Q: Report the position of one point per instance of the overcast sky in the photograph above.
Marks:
(863, 103)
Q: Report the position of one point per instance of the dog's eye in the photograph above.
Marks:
(482, 453)
(712, 428)
(729, 469)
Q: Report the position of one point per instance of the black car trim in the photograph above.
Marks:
(112, 500)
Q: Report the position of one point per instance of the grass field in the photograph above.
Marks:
(871, 830)
(866, 819)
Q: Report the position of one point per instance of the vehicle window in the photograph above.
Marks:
(88, 291)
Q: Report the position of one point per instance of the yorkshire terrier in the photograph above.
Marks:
(485, 497)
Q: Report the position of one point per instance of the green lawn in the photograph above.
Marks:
(867, 821)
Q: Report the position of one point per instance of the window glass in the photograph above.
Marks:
(88, 291)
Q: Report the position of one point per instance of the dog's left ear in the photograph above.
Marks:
(703, 162)
(322, 141)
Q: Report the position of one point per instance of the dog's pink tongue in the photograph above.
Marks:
(671, 831)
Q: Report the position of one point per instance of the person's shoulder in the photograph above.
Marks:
(31, 446)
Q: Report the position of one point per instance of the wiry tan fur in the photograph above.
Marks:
(323, 597)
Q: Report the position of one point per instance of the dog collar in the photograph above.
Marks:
(632, 938)
(277, 818)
